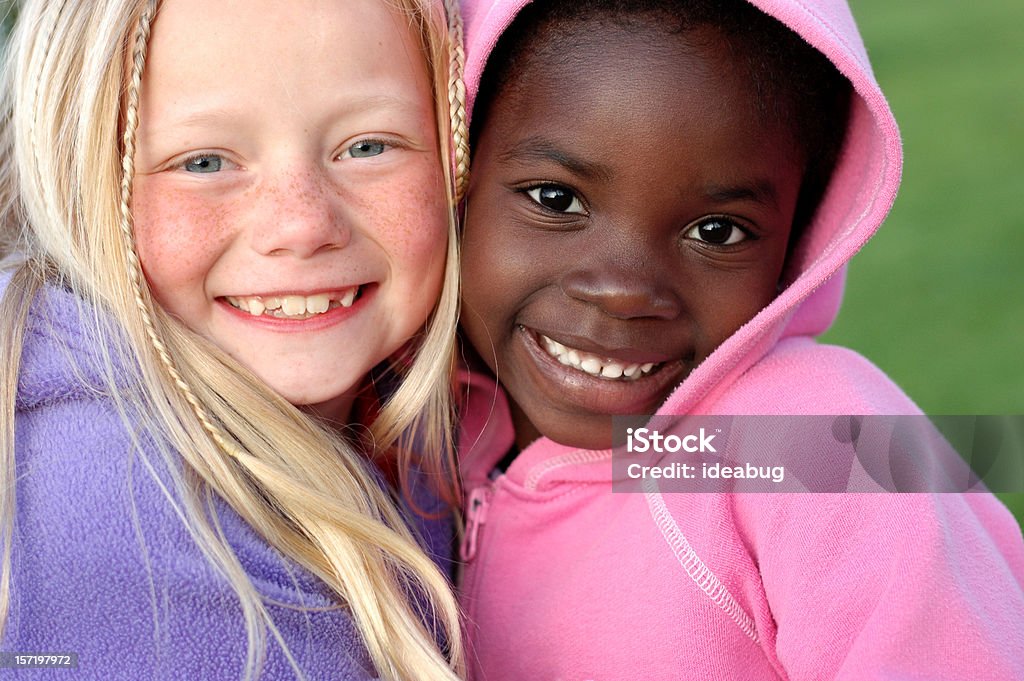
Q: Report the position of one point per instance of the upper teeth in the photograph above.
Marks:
(301, 307)
(592, 364)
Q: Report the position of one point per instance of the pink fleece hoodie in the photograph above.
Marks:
(565, 580)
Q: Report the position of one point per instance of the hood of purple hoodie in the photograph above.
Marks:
(859, 196)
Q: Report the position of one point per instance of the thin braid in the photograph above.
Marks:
(127, 230)
(45, 40)
(457, 98)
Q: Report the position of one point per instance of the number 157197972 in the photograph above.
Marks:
(19, 660)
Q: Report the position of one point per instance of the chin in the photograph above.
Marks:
(580, 436)
(333, 404)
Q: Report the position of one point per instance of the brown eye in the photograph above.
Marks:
(556, 197)
(717, 231)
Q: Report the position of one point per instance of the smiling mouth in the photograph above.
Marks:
(600, 367)
(295, 306)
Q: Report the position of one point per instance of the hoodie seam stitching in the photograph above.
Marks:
(580, 456)
(695, 568)
(521, 494)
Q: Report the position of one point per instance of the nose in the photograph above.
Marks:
(624, 286)
(300, 215)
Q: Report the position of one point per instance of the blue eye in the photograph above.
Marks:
(206, 163)
(367, 148)
(717, 231)
(556, 197)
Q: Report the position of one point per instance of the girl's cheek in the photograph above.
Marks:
(412, 223)
(415, 235)
(427, 232)
(179, 234)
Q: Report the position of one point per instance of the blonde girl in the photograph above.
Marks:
(229, 233)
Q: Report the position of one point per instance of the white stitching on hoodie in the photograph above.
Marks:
(699, 572)
(580, 456)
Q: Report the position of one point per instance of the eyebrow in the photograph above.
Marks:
(539, 149)
(759, 191)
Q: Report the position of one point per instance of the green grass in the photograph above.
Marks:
(937, 298)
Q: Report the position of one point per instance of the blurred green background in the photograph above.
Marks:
(7, 11)
(937, 298)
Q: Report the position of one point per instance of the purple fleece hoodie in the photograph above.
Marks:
(566, 580)
(102, 565)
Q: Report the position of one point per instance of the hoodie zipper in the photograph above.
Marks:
(479, 502)
(476, 516)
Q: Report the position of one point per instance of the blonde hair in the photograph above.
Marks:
(69, 115)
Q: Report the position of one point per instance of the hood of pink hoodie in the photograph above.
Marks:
(859, 196)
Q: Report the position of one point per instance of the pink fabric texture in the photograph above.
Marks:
(565, 580)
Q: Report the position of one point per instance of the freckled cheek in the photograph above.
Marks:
(411, 224)
(179, 235)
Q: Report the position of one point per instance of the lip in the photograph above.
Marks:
(328, 319)
(567, 385)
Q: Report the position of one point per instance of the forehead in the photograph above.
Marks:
(237, 54)
(611, 79)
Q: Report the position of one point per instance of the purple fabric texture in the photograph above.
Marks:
(102, 565)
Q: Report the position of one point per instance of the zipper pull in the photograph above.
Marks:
(476, 512)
